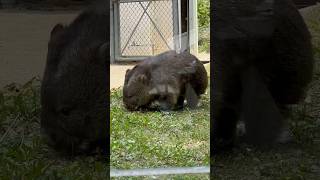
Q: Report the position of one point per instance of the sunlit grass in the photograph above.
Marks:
(158, 139)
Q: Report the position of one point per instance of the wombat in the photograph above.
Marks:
(163, 82)
(74, 92)
(262, 62)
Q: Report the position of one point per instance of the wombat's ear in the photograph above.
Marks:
(127, 76)
(56, 29)
(128, 73)
(103, 52)
(143, 78)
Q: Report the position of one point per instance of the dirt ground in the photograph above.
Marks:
(117, 73)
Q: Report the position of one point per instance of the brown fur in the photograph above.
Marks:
(161, 81)
(262, 62)
(75, 84)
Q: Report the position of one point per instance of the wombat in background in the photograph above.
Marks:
(262, 62)
(74, 92)
(163, 82)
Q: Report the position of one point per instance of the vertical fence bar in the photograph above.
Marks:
(176, 11)
(116, 29)
(193, 27)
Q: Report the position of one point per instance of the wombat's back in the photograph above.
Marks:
(184, 66)
(198, 75)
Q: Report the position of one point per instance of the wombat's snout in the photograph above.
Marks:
(130, 108)
(162, 106)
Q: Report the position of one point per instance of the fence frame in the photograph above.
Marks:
(180, 41)
(160, 171)
(116, 50)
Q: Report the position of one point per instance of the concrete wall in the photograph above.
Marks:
(23, 43)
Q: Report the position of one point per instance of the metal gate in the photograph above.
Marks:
(143, 28)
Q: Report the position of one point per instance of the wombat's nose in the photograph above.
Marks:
(130, 107)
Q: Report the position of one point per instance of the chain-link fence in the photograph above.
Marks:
(145, 27)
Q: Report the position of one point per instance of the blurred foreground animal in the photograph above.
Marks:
(74, 90)
(262, 62)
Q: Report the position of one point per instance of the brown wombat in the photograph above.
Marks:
(262, 62)
(74, 91)
(164, 82)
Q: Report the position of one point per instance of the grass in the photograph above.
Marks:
(204, 39)
(204, 24)
(23, 154)
(158, 139)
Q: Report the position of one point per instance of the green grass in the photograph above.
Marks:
(158, 139)
(23, 154)
(204, 24)
(204, 39)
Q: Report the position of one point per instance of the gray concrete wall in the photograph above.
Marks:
(23, 43)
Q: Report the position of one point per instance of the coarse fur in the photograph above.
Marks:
(74, 90)
(163, 82)
(262, 62)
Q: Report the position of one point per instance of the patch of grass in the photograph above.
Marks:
(158, 139)
(204, 39)
(204, 24)
(23, 154)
